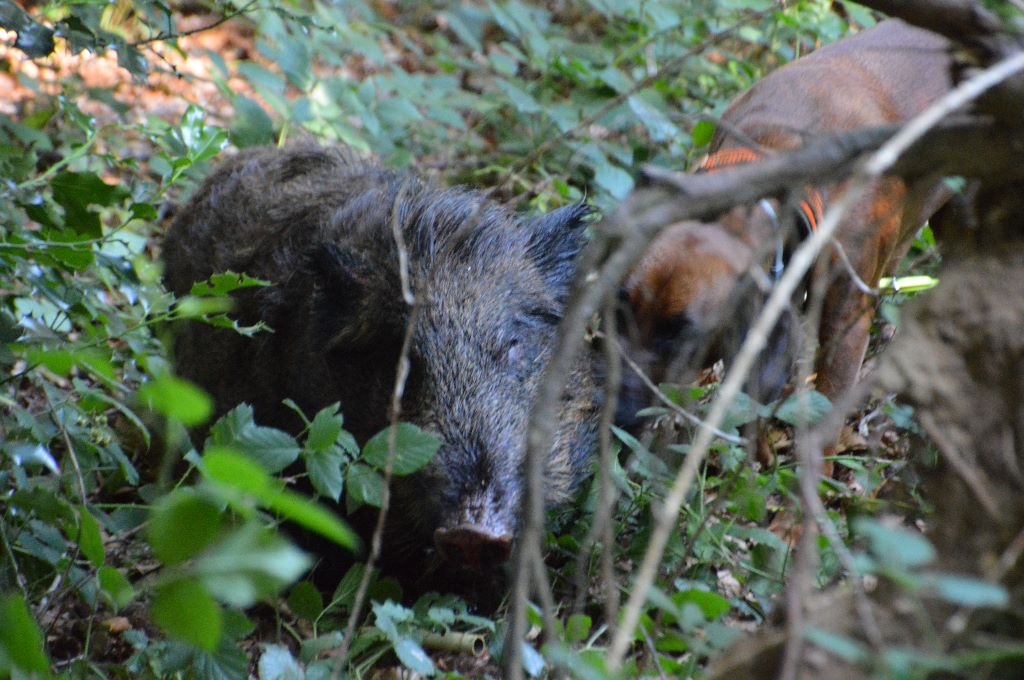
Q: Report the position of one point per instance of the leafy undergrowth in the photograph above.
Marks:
(127, 553)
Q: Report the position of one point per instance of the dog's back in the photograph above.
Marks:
(880, 76)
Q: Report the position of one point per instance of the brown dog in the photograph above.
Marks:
(691, 296)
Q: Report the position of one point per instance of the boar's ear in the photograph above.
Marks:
(556, 240)
(339, 283)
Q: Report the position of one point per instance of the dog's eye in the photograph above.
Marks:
(515, 351)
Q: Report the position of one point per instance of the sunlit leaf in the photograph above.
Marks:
(277, 663)
(412, 656)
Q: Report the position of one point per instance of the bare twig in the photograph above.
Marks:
(601, 527)
(585, 297)
(401, 374)
(169, 35)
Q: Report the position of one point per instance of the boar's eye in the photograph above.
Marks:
(544, 316)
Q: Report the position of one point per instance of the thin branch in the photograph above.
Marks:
(601, 527)
(401, 375)
(582, 304)
(174, 36)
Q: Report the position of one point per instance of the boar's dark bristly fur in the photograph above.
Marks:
(490, 287)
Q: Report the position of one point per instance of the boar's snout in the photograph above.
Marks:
(473, 546)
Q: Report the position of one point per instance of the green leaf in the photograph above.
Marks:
(186, 611)
(325, 428)
(227, 662)
(895, 545)
(21, 643)
(251, 563)
(26, 454)
(345, 593)
(712, 605)
(967, 592)
(75, 192)
(844, 647)
(750, 500)
(305, 600)
(89, 539)
(34, 39)
(521, 99)
(533, 662)
(412, 656)
(650, 110)
(176, 398)
(117, 586)
(61, 361)
(77, 255)
(614, 180)
(231, 469)
(273, 449)
(313, 516)
(324, 469)
(252, 126)
(443, 615)
(802, 408)
(387, 617)
(225, 282)
(182, 524)
(702, 132)
(577, 628)
(414, 448)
